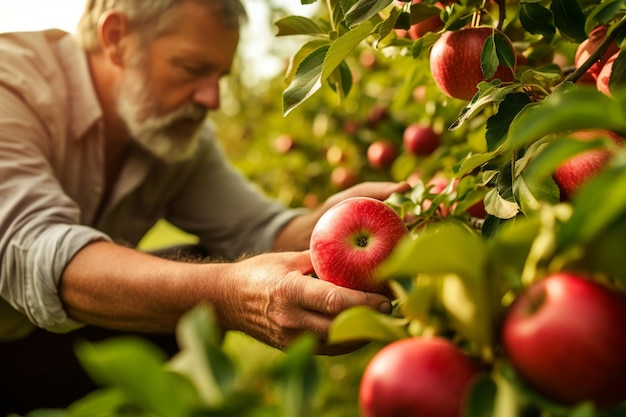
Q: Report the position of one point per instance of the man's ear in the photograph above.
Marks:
(112, 28)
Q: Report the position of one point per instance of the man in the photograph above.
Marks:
(100, 138)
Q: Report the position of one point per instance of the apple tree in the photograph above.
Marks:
(512, 86)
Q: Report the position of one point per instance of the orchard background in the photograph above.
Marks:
(361, 75)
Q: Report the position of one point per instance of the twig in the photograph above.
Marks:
(597, 54)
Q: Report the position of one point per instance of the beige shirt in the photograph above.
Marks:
(52, 183)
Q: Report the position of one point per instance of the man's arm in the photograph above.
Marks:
(268, 296)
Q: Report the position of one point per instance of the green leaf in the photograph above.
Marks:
(423, 11)
(476, 160)
(531, 194)
(137, 367)
(618, 72)
(201, 357)
(589, 217)
(343, 46)
(603, 13)
(298, 25)
(564, 111)
(537, 19)
(488, 95)
(306, 81)
(99, 403)
(305, 50)
(364, 324)
(569, 19)
(489, 58)
(481, 398)
(500, 207)
(555, 152)
(362, 10)
(498, 124)
(447, 247)
(298, 377)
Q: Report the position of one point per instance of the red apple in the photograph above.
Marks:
(417, 377)
(420, 139)
(565, 336)
(381, 154)
(604, 77)
(577, 170)
(455, 61)
(589, 46)
(377, 115)
(351, 239)
(343, 177)
(284, 143)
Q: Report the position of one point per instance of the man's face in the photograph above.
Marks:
(167, 88)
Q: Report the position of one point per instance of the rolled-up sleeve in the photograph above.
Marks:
(40, 227)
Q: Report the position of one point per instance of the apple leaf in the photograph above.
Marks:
(589, 217)
(488, 94)
(498, 124)
(201, 357)
(555, 152)
(304, 51)
(564, 111)
(603, 13)
(423, 11)
(137, 367)
(569, 19)
(617, 80)
(445, 247)
(298, 378)
(481, 398)
(475, 160)
(362, 323)
(359, 11)
(307, 79)
(298, 25)
(537, 19)
(343, 46)
(489, 57)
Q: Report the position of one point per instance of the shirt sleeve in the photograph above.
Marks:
(231, 216)
(39, 224)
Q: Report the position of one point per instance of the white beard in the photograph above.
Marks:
(172, 137)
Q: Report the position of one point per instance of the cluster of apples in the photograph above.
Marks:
(564, 334)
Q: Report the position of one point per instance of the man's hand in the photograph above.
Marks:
(272, 298)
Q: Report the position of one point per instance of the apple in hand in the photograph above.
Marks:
(575, 171)
(565, 336)
(351, 239)
(420, 139)
(455, 61)
(417, 377)
(381, 154)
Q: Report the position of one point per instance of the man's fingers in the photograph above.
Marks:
(329, 299)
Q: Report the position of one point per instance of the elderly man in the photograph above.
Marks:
(101, 135)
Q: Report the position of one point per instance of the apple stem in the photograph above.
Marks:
(501, 14)
(476, 16)
(597, 54)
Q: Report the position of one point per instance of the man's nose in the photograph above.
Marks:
(208, 95)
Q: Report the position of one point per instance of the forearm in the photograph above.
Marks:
(116, 287)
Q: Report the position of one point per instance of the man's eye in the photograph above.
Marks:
(194, 70)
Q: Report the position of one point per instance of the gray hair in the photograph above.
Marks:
(149, 16)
